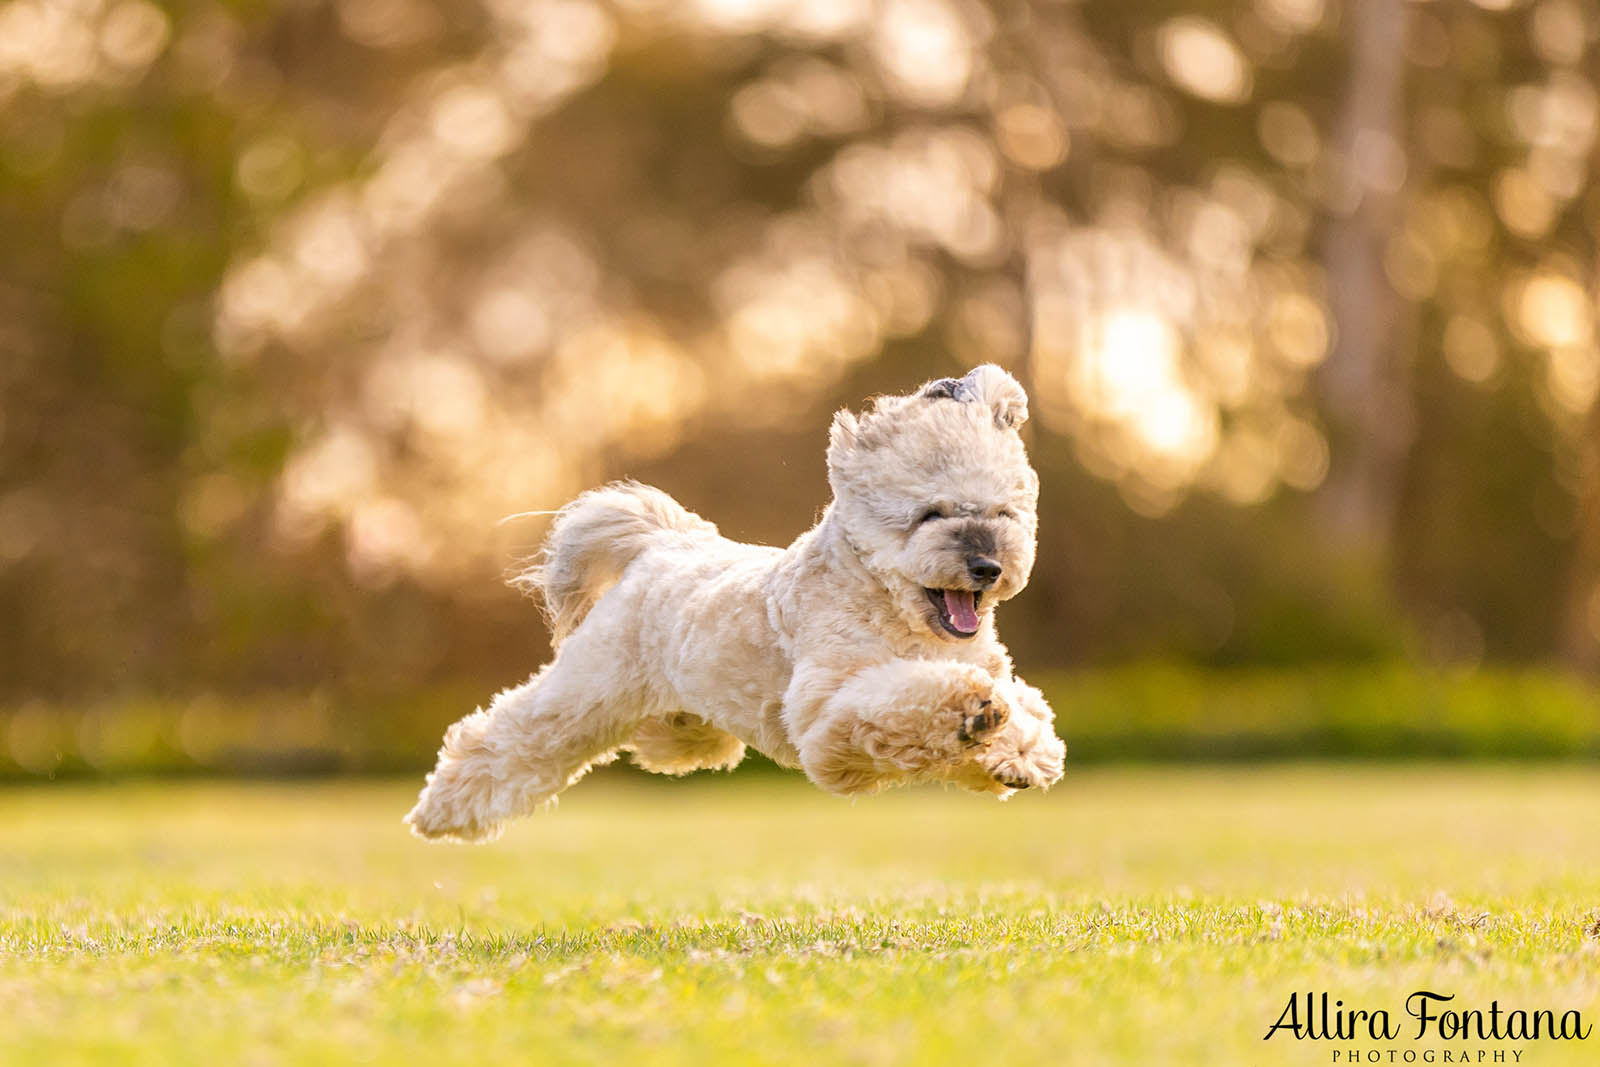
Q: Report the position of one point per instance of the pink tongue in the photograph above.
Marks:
(963, 616)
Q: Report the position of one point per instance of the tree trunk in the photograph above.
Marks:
(1363, 382)
(1580, 625)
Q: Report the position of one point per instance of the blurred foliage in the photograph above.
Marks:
(299, 298)
(1153, 711)
(1385, 712)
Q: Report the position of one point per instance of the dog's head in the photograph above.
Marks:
(935, 494)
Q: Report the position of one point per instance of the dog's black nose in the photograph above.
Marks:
(983, 569)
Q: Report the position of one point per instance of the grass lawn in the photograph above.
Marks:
(1146, 916)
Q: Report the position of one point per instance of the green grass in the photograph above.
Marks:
(1141, 916)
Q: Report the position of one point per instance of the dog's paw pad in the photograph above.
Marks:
(989, 718)
(1015, 773)
(1037, 765)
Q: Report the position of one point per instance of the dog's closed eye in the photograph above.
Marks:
(929, 516)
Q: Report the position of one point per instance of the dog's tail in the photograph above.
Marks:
(590, 543)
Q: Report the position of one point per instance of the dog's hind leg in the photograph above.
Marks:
(680, 743)
(532, 742)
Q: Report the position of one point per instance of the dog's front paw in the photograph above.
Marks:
(980, 725)
(967, 714)
(1028, 754)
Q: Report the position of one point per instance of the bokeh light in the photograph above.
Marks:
(340, 287)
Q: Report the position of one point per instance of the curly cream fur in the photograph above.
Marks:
(683, 647)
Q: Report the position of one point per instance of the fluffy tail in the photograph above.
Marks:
(592, 540)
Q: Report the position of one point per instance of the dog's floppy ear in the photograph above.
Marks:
(945, 389)
(987, 385)
(1002, 393)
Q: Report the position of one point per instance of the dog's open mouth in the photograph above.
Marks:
(957, 608)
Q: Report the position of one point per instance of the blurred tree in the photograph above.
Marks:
(1365, 396)
(1580, 635)
(305, 297)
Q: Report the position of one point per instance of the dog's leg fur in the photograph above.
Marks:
(532, 742)
(903, 720)
(681, 743)
(1026, 752)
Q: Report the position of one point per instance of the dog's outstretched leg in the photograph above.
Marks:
(902, 720)
(532, 741)
(1026, 753)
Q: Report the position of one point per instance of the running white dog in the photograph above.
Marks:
(864, 653)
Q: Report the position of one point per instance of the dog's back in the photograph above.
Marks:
(591, 542)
